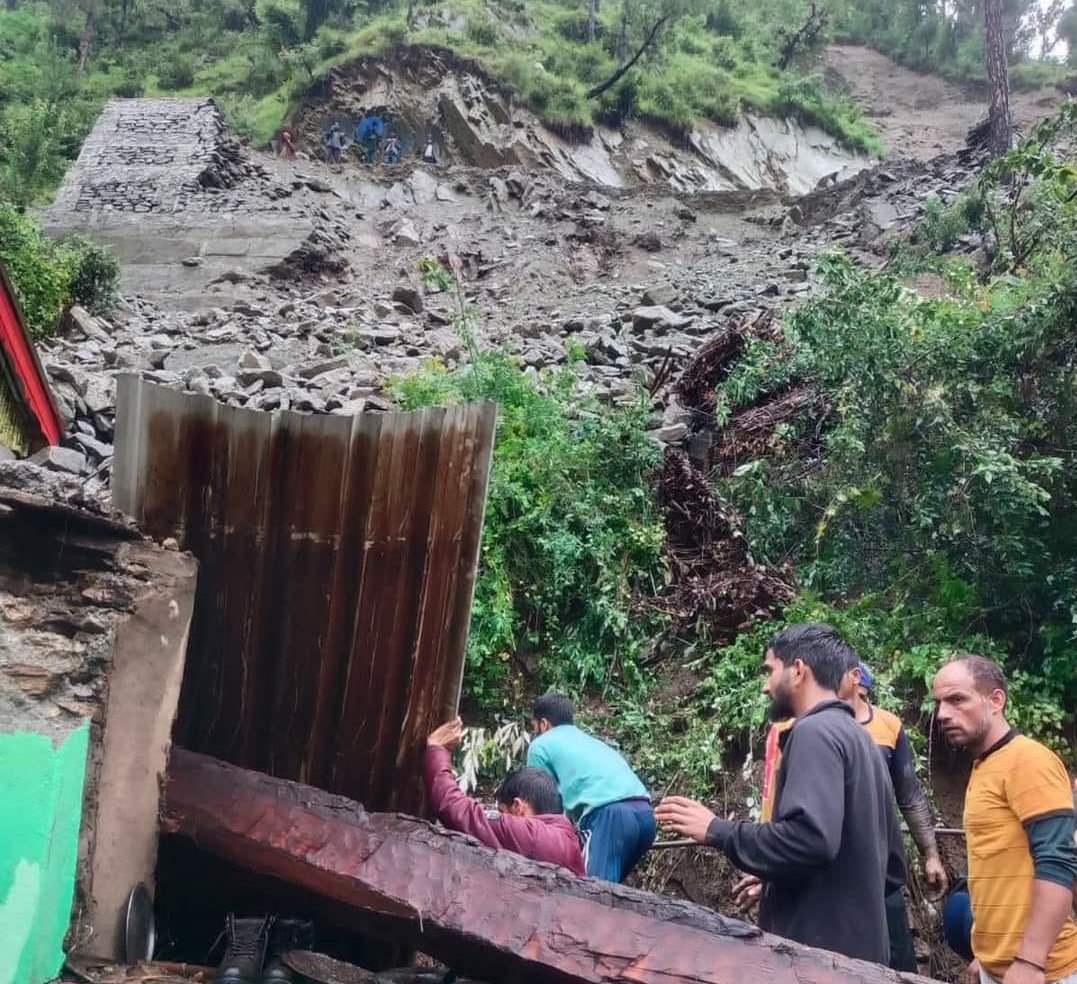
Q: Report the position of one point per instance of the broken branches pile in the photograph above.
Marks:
(717, 585)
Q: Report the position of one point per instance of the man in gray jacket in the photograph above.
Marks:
(833, 846)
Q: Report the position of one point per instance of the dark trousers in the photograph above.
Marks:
(902, 954)
(620, 834)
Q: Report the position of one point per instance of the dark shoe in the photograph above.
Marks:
(287, 934)
(245, 951)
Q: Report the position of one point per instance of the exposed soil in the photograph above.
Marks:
(918, 114)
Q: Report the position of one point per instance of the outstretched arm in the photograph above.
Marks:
(805, 832)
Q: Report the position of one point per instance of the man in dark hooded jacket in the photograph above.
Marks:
(833, 847)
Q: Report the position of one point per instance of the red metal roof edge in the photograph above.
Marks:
(20, 352)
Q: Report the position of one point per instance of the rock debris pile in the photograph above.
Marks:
(644, 283)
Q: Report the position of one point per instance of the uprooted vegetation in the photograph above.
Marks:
(903, 469)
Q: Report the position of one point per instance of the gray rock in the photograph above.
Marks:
(407, 234)
(306, 401)
(318, 185)
(253, 360)
(673, 434)
(657, 316)
(314, 369)
(410, 297)
(77, 380)
(60, 460)
(263, 377)
(424, 188)
(383, 335)
(660, 295)
(882, 214)
(85, 322)
(649, 242)
(91, 444)
(192, 261)
(383, 309)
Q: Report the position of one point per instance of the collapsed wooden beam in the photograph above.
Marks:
(491, 914)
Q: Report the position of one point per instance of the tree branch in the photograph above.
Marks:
(595, 91)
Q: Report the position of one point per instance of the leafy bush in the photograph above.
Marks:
(941, 227)
(176, 72)
(482, 30)
(49, 276)
(95, 275)
(807, 100)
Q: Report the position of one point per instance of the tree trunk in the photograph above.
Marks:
(1000, 128)
(596, 91)
(86, 38)
(592, 16)
(622, 39)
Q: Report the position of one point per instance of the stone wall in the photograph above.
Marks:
(180, 202)
(163, 156)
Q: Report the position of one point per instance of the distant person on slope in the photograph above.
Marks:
(334, 142)
(372, 141)
(601, 793)
(392, 150)
(287, 146)
(531, 821)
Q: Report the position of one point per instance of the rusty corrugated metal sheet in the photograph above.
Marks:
(337, 564)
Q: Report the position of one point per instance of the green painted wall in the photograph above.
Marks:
(41, 797)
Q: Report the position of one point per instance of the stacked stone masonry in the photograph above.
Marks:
(164, 156)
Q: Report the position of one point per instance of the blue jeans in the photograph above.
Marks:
(619, 835)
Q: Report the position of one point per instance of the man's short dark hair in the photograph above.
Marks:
(536, 787)
(555, 708)
(818, 646)
(985, 673)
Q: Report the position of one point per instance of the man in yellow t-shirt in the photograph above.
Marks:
(1019, 830)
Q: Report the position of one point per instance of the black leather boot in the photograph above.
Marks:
(245, 951)
(287, 934)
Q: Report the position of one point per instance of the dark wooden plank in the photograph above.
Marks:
(492, 914)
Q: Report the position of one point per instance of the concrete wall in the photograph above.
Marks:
(143, 691)
(41, 791)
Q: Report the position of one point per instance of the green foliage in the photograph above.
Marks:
(50, 276)
(176, 72)
(941, 227)
(808, 101)
(571, 543)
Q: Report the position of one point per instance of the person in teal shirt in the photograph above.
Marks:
(601, 793)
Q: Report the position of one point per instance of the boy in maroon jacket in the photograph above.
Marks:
(531, 821)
